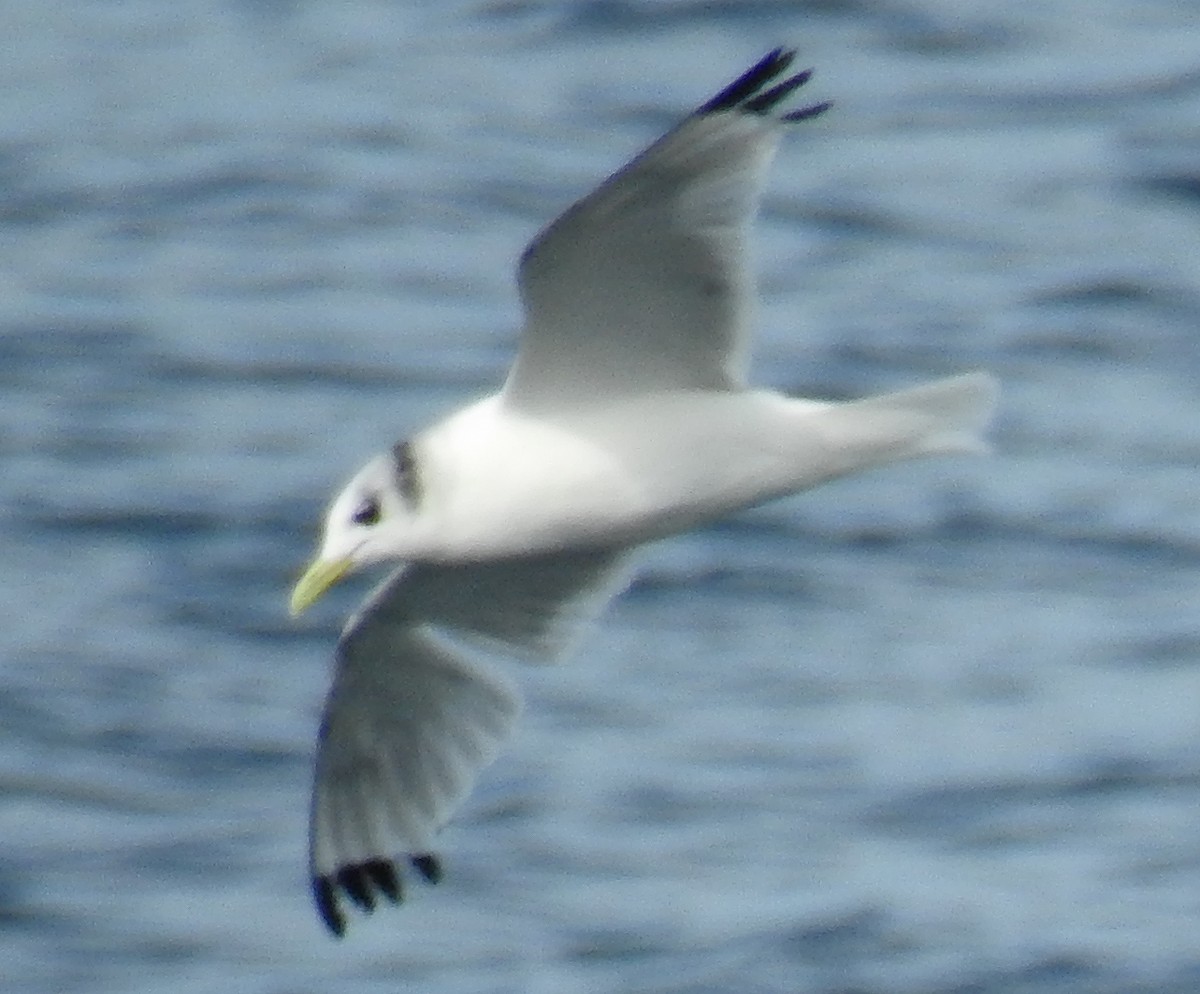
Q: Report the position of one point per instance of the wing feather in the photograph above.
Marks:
(644, 284)
(410, 721)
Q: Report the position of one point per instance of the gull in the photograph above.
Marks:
(625, 418)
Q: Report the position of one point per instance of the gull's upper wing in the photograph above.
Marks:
(644, 284)
(410, 722)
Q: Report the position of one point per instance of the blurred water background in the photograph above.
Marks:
(935, 729)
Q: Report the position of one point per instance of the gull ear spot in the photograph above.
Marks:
(404, 469)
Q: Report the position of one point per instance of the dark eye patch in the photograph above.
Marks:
(367, 513)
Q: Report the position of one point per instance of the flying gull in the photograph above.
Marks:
(625, 418)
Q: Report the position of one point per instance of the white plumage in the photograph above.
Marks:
(625, 418)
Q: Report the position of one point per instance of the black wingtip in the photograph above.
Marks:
(765, 101)
(383, 875)
(429, 866)
(747, 93)
(325, 897)
(355, 882)
(362, 883)
(804, 113)
(750, 82)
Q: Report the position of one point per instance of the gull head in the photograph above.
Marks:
(373, 520)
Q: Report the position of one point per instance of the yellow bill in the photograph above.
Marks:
(318, 578)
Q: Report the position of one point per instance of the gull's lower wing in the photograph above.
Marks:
(644, 284)
(407, 728)
(410, 721)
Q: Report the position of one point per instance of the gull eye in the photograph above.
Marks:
(367, 513)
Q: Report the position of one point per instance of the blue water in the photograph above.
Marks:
(934, 729)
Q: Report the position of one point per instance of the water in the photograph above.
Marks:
(932, 729)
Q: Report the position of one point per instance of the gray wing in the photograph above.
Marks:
(410, 722)
(644, 284)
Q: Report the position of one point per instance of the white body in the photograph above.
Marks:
(652, 466)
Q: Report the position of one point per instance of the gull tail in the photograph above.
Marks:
(944, 417)
(939, 418)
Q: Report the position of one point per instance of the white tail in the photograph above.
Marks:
(939, 418)
(943, 417)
